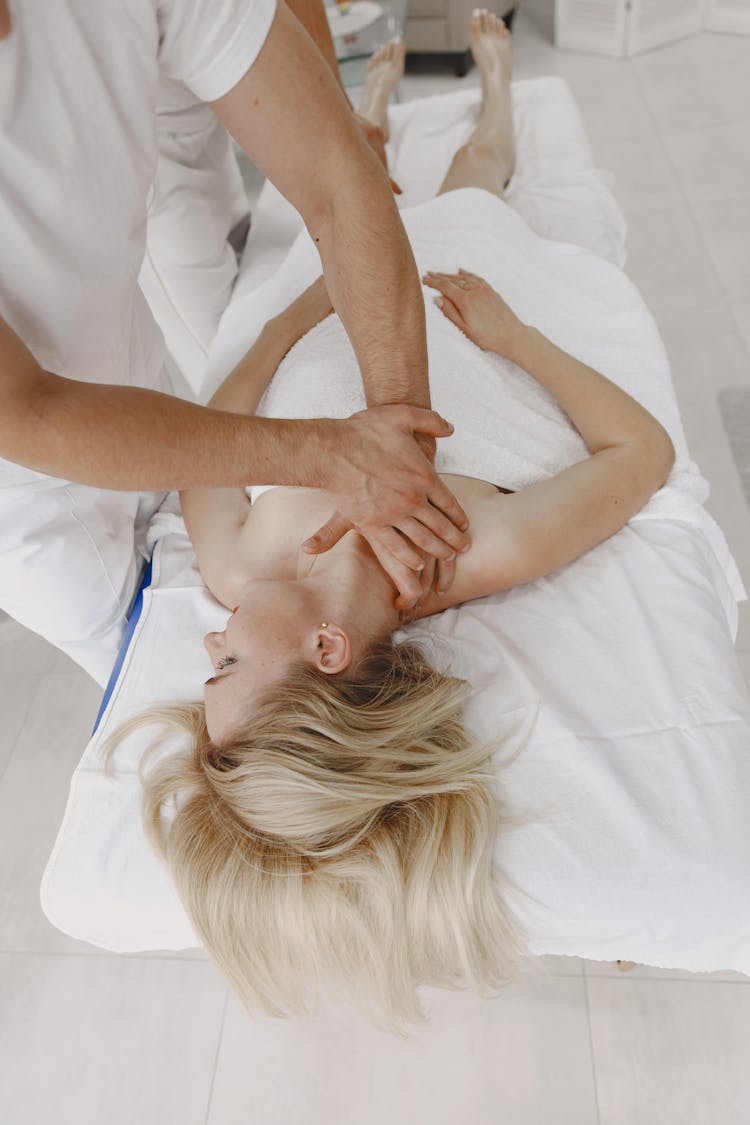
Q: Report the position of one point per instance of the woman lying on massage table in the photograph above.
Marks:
(334, 815)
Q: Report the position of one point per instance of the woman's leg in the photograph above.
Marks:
(384, 70)
(488, 158)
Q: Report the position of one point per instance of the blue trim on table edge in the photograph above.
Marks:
(133, 620)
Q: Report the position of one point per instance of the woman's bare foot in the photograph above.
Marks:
(488, 158)
(491, 46)
(384, 71)
(492, 49)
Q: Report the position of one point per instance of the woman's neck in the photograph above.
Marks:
(351, 581)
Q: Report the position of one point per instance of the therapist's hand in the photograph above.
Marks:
(389, 491)
(5, 25)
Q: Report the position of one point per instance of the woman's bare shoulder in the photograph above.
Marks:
(279, 521)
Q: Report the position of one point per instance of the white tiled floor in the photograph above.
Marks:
(86, 1037)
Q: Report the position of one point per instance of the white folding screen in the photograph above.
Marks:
(728, 15)
(653, 22)
(627, 27)
(591, 25)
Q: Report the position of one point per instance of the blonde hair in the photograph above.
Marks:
(343, 836)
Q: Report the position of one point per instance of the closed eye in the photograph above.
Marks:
(225, 662)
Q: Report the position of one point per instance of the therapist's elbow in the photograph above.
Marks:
(24, 418)
(350, 193)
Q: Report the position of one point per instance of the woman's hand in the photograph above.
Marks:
(477, 310)
(310, 308)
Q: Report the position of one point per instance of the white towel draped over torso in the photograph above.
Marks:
(508, 429)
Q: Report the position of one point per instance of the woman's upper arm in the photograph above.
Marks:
(215, 518)
(525, 535)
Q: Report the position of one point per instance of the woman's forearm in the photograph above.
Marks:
(242, 390)
(602, 412)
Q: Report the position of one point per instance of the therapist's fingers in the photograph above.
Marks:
(328, 535)
(431, 541)
(446, 572)
(398, 545)
(444, 515)
(407, 581)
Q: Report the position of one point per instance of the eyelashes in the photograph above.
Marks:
(225, 662)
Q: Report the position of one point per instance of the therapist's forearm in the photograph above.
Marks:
(373, 282)
(312, 15)
(389, 278)
(133, 439)
(296, 125)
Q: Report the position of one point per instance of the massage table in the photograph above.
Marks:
(615, 678)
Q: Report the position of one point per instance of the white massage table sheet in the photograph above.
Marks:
(619, 668)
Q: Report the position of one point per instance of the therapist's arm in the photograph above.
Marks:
(128, 438)
(293, 120)
(312, 15)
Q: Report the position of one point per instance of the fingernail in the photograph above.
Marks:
(464, 526)
(451, 557)
(466, 548)
(438, 301)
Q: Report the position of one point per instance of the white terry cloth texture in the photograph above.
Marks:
(618, 671)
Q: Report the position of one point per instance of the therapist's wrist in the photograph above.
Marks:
(293, 451)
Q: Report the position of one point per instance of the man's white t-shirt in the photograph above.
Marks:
(78, 91)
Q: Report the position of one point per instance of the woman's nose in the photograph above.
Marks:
(213, 642)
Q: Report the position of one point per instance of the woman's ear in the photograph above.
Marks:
(333, 649)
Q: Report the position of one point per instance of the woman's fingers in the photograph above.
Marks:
(471, 276)
(446, 284)
(447, 307)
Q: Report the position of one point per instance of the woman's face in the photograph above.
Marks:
(273, 626)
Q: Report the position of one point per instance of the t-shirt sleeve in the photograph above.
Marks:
(210, 44)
